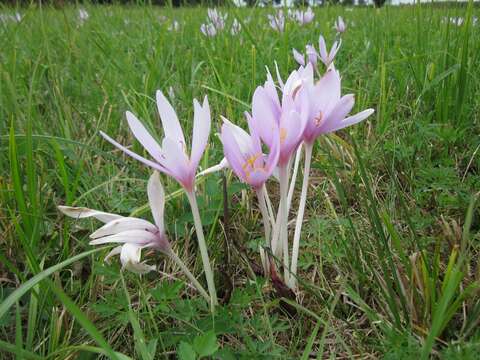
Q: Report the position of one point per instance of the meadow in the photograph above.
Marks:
(388, 264)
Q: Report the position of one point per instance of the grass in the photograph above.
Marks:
(388, 260)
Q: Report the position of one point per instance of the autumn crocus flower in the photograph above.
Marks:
(277, 21)
(236, 27)
(303, 17)
(310, 54)
(328, 112)
(135, 234)
(171, 157)
(340, 25)
(208, 30)
(244, 153)
(217, 18)
(325, 56)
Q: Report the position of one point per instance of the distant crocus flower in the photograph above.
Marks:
(174, 26)
(340, 25)
(311, 56)
(4, 18)
(133, 233)
(325, 56)
(236, 27)
(244, 152)
(217, 18)
(171, 157)
(208, 30)
(277, 21)
(83, 15)
(304, 17)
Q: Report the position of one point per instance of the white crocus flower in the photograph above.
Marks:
(135, 234)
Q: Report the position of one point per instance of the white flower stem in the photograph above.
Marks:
(203, 249)
(283, 219)
(266, 224)
(300, 214)
(189, 275)
(298, 156)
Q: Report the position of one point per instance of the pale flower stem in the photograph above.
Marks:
(266, 224)
(298, 156)
(283, 219)
(300, 214)
(269, 206)
(203, 249)
(189, 275)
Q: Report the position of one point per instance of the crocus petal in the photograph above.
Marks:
(139, 237)
(232, 152)
(241, 136)
(156, 199)
(147, 162)
(130, 258)
(143, 136)
(82, 212)
(338, 113)
(123, 224)
(177, 162)
(220, 166)
(115, 251)
(352, 120)
(170, 123)
(299, 58)
(264, 115)
(201, 131)
(322, 47)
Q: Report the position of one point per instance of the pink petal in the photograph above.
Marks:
(134, 155)
(352, 120)
(232, 152)
(201, 131)
(299, 58)
(143, 136)
(170, 123)
(338, 113)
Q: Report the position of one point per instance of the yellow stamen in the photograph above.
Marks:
(283, 135)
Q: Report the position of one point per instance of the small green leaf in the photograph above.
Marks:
(185, 351)
(206, 344)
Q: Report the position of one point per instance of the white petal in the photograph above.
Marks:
(130, 258)
(115, 251)
(201, 130)
(144, 137)
(139, 237)
(170, 123)
(121, 225)
(82, 212)
(156, 198)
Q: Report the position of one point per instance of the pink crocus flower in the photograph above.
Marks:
(244, 153)
(171, 157)
(340, 25)
(325, 56)
(304, 17)
(217, 18)
(328, 109)
(311, 55)
(289, 114)
(277, 21)
(208, 30)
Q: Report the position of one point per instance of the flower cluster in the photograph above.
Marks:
(301, 17)
(285, 118)
(216, 23)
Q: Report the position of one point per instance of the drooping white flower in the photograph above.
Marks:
(132, 233)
